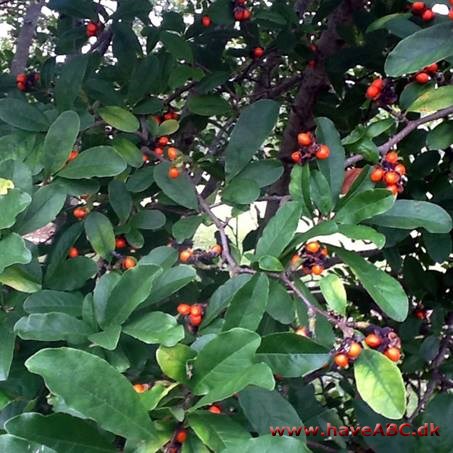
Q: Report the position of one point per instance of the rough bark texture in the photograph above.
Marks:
(25, 38)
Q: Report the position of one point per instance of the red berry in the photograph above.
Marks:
(378, 83)
(21, 78)
(422, 77)
(354, 350)
(258, 52)
(295, 260)
(80, 213)
(129, 262)
(401, 169)
(317, 269)
(372, 92)
(164, 140)
(120, 243)
(296, 156)
(428, 15)
(393, 188)
(159, 151)
(247, 14)
(432, 68)
(323, 152)
(305, 139)
(418, 7)
(181, 436)
(185, 256)
(196, 310)
(172, 153)
(214, 409)
(21, 86)
(391, 177)
(450, 14)
(183, 309)
(73, 252)
(420, 314)
(377, 174)
(341, 360)
(173, 173)
(392, 157)
(206, 21)
(394, 354)
(239, 15)
(73, 154)
(373, 341)
(195, 320)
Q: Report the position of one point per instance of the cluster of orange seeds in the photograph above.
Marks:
(309, 149)
(391, 172)
(312, 257)
(26, 82)
(386, 341)
(190, 256)
(193, 313)
(424, 76)
(348, 353)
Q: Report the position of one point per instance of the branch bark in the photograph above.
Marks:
(25, 39)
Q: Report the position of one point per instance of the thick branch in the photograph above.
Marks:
(25, 38)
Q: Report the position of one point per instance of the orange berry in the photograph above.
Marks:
(401, 169)
(195, 320)
(73, 154)
(141, 388)
(432, 68)
(378, 83)
(185, 256)
(377, 174)
(181, 436)
(216, 249)
(391, 177)
(394, 354)
(120, 243)
(324, 251)
(313, 247)
(196, 310)
(422, 77)
(129, 262)
(214, 409)
(317, 269)
(183, 309)
(172, 153)
(354, 350)
(173, 173)
(305, 139)
(323, 152)
(80, 213)
(73, 252)
(392, 157)
(306, 270)
(295, 260)
(159, 151)
(258, 52)
(418, 7)
(373, 340)
(372, 92)
(296, 156)
(428, 15)
(341, 360)
(163, 141)
(206, 21)
(393, 188)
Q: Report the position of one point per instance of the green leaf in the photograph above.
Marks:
(441, 136)
(141, 179)
(264, 408)
(332, 167)
(120, 200)
(262, 172)
(186, 227)
(411, 214)
(52, 327)
(362, 232)
(365, 205)
(148, 220)
(7, 346)
(291, 355)
(241, 191)
(99, 232)
(13, 251)
(60, 140)
(270, 263)
(380, 384)
(11, 205)
(217, 431)
(59, 431)
(108, 338)
(141, 82)
(180, 190)
(47, 202)
(162, 256)
(173, 361)
(438, 412)
(69, 84)
(281, 305)
(384, 289)
(46, 301)
(249, 304)
(420, 49)
(133, 288)
(81, 378)
(102, 292)
(332, 289)
(22, 115)
(21, 278)
(176, 45)
(321, 193)
(155, 328)
(76, 8)
(167, 127)
(254, 125)
(72, 274)
(100, 161)
(223, 364)
(325, 228)
(14, 444)
(432, 100)
(119, 118)
(438, 246)
(280, 230)
(128, 151)
(270, 444)
(170, 281)
(208, 105)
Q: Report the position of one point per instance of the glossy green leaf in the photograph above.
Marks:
(7, 345)
(280, 230)
(140, 180)
(60, 431)
(176, 45)
(281, 305)
(321, 193)
(364, 205)
(438, 246)
(99, 231)
(262, 172)
(81, 378)
(420, 49)
(13, 251)
(173, 361)
(363, 233)
(129, 152)
(22, 115)
(253, 127)
(380, 384)
(383, 288)
(433, 99)
(412, 214)
(167, 127)
(60, 140)
(249, 304)
(180, 190)
(162, 256)
(102, 292)
(332, 289)
(133, 288)
(21, 278)
(241, 191)
(291, 355)
(155, 328)
(99, 161)
(72, 274)
(441, 136)
(120, 200)
(14, 444)
(186, 227)
(11, 205)
(148, 220)
(119, 118)
(208, 105)
(270, 263)
(108, 338)
(270, 444)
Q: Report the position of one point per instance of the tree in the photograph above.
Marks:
(135, 139)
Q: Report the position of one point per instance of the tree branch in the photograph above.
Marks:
(25, 38)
